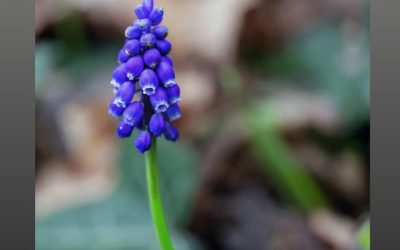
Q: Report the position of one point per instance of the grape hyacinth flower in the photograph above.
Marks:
(145, 70)
(147, 97)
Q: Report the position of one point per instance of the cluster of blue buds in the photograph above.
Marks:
(146, 93)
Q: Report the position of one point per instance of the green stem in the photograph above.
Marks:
(156, 207)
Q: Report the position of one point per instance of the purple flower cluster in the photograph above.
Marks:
(146, 93)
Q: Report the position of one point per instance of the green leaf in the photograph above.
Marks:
(364, 236)
(123, 220)
(295, 185)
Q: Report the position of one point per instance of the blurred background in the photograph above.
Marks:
(274, 149)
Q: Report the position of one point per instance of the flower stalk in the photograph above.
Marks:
(156, 208)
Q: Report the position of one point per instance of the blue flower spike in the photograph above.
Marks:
(173, 112)
(148, 40)
(132, 47)
(166, 74)
(148, 82)
(143, 24)
(148, 5)
(133, 113)
(133, 32)
(152, 58)
(122, 57)
(159, 100)
(145, 69)
(174, 94)
(168, 60)
(134, 67)
(141, 12)
(160, 32)
(146, 99)
(124, 130)
(164, 46)
(157, 124)
(114, 110)
(125, 94)
(156, 15)
(171, 133)
(118, 76)
(143, 141)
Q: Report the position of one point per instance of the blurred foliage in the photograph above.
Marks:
(71, 33)
(231, 82)
(123, 220)
(328, 59)
(73, 57)
(45, 61)
(295, 185)
(53, 68)
(364, 236)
